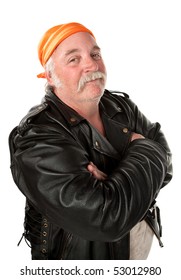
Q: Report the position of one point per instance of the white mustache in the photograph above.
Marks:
(90, 77)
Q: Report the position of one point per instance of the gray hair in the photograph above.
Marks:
(50, 67)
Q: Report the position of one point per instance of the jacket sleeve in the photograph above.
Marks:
(151, 131)
(50, 168)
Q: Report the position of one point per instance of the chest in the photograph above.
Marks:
(105, 151)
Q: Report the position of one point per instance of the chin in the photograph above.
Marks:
(94, 94)
(94, 88)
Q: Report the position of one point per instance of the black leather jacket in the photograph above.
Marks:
(69, 213)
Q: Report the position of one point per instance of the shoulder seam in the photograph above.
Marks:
(33, 112)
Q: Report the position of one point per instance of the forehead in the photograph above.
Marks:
(79, 41)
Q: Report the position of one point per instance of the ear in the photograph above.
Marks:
(48, 76)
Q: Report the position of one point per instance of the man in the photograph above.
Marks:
(89, 163)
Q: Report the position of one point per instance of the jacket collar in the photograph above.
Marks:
(107, 105)
(71, 116)
(110, 145)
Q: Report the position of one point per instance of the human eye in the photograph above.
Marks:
(96, 55)
(73, 60)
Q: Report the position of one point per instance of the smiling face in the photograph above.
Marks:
(79, 70)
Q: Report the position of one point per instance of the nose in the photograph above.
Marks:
(90, 65)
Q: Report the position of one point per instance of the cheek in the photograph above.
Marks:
(103, 69)
(72, 77)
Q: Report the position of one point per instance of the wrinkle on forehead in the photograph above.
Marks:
(76, 50)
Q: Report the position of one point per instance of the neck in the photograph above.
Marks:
(91, 113)
(94, 118)
(89, 110)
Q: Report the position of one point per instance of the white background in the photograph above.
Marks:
(141, 47)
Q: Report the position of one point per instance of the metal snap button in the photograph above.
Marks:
(72, 120)
(125, 130)
(97, 144)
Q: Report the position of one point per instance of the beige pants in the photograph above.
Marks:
(141, 237)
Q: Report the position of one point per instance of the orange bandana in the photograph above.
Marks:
(53, 37)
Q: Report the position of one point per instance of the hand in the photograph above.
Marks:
(98, 174)
(136, 136)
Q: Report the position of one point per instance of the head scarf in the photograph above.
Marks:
(53, 37)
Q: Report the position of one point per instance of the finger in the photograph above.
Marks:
(96, 172)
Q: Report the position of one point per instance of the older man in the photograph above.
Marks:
(89, 163)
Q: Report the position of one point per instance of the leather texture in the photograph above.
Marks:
(69, 213)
